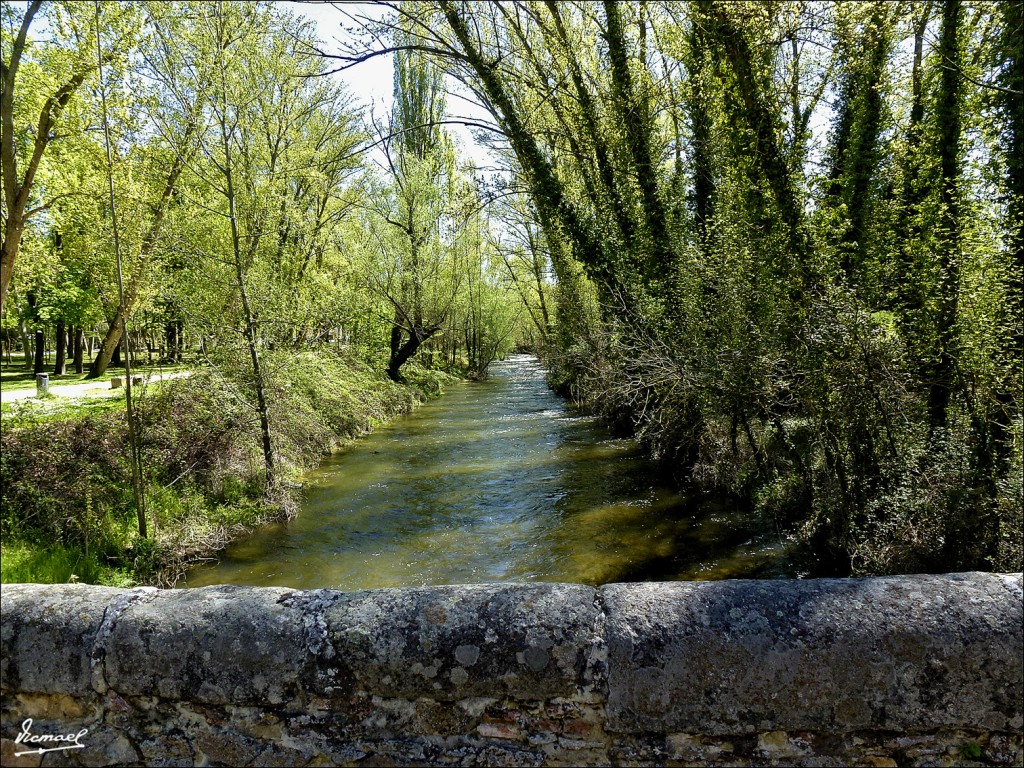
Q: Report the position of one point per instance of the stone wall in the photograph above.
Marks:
(912, 670)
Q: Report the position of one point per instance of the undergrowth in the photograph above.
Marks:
(68, 511)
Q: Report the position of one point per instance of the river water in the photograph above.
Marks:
(499, 480)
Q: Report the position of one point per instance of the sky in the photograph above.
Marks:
(371, 82)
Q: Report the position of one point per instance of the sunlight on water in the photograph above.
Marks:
(497, 481)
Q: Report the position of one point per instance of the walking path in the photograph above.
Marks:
(96, 388)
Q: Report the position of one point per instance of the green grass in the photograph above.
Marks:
(21, 561)
(18, 377)
(56, 408)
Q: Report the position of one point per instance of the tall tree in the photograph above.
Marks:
(865, 48)
(1011, 55)
(948, 106)
(421, 162)
(140, 272)
(24, 135)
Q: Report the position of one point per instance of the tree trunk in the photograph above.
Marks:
(26, 345)
(1013, 108)
(855, 160)
(702, 127)
(753, 108)
(138, 275)
(401, 353)
(634, 117)
(250, 329)
(400, 356)
(108, 354)
(62, 349)
(172, 333)
(40, 358)
(79, 349)
(553, 204)
(907, 291)
(591, 119)
(948, 107)
(17, 191)
(396, 335)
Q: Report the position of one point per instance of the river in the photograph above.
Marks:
(499, 480)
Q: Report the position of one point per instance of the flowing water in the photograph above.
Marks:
(499, 480)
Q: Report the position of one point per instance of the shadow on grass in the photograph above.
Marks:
(56, 564)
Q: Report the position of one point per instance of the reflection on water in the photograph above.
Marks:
(498, 480)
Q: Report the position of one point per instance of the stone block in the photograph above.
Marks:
(47, 633)
(526, 641)
(215, 645)
(899, 653)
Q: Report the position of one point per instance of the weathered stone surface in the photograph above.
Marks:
(897, 653)
(11, 756)
(1015, 583)
(903, 671)
(450, 643)
(47, 634)
(215, 645)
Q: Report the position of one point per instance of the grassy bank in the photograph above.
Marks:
(68, 512)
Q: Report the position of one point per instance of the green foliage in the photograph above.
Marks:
(830, 325)
(66, 481)
(778, 242)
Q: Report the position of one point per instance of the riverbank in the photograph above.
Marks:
(499, 481)
(66, 482)
(925, 509)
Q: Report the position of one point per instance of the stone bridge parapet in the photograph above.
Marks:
(906, 670)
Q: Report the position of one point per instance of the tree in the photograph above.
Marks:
(418, 275)
(139, 274)
(28, 127)
(260, 192)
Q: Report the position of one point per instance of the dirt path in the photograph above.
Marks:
(98, 388)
